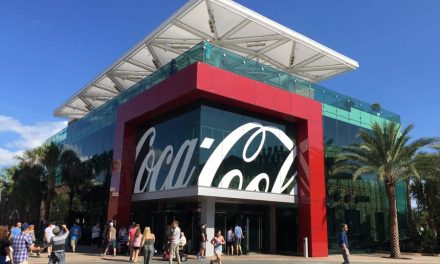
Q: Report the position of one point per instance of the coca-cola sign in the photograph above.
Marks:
(180, 170)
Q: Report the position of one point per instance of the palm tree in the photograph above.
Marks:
(387, 153)
(426, 189)
(76, 174)
(49, 158)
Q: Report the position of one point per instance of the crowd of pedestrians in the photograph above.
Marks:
(17, 243)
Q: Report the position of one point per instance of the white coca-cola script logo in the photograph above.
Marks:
(153, 161)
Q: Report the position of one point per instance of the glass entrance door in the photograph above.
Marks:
(254, 233)
(254, 221)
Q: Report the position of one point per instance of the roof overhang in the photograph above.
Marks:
(225, 24)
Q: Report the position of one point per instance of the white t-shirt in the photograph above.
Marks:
(48, 233)
(175, 235)
(96, 231)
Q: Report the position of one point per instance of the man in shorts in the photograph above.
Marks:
(111, 237)
(75, 235)
(238, 237)
(48, 234)
(202, 242)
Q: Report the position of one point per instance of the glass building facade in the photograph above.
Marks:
(361, 203)
(213, 121)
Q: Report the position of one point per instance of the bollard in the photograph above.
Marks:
(306, 248)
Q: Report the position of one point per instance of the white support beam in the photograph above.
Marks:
(308, 61)
(211, 21)
(193, 31)
(155, 57)
(321, 68)
(243, 40)
(292, 56)
(88, 105)
(273, 46)
(140, 64)
(85, 111)
(105, 88)
(117, 84)
(168, 48)
(190, 42)
(235, 29)
(273, 62)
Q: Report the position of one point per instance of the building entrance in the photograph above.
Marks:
(254, 221)
(262, 224)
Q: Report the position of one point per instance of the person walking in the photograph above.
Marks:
(131, 233)
(58, 243)
(15, 231)
(75, 235)
(21, 245)
(175, 239)
(111, 239)
(96, 234)
(218, 241)
(48, 234)
(31, 232)
(122, 240)
(5, 246)
(343, 243)
(238, 237)
(230, 238)
(148, 240)
(136, 243)
(202, 242)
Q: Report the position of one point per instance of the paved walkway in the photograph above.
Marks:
(252, 258)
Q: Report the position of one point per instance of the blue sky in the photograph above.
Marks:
(51, 49)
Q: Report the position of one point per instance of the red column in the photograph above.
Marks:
(121, 189)
(311, 185)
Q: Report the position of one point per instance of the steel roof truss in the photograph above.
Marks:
(192, 30)
(118, 85)
(105, 88)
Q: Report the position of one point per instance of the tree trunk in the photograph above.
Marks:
(47, 202)
(69, 215)
(394, 226)
(408, 202)
(431, 224)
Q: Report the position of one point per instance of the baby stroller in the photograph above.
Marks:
(123, 247)
(166, 252)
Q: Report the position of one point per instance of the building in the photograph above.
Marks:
(216, 117)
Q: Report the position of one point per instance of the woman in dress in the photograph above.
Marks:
(136, 243)
(218, 241)
(148, 240)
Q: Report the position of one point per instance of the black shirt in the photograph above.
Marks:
(203, 231)
(4, 243)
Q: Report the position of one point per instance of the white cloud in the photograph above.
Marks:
(28, 136)
(7, 156)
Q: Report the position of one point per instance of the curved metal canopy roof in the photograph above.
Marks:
(224, 23)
